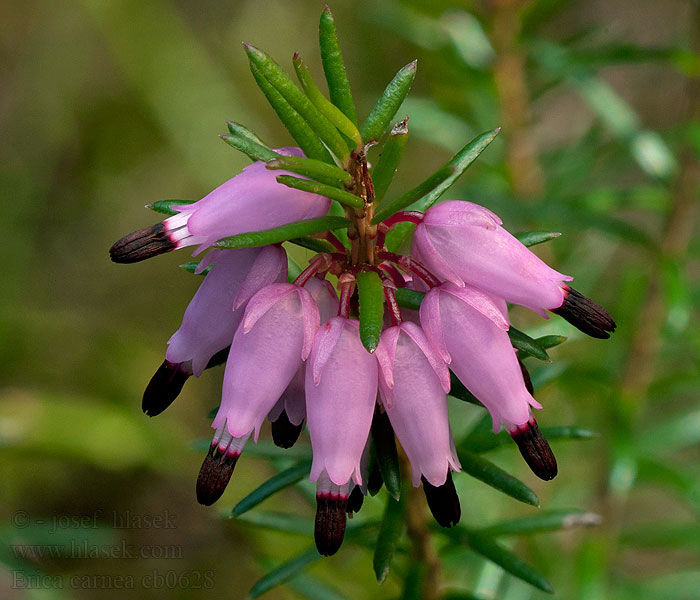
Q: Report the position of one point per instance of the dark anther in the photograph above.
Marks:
(535, 450)
(443, 501)
(214, 475)
(584, 314)
(330, 523)
(165, 385)
(284, 432)
(355, 500)
(141, 244)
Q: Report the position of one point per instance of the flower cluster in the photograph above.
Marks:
(296, 355)
(351, 358)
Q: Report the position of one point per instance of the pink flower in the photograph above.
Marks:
(250, 201)
(469, 331)
(212, 316)
(341, 389)
(414, 382)
(464, 243)
(289, 413)
(269, 346)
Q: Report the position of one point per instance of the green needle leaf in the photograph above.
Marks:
(293, 269)
(371, 295)
(389, 102)
(283, 573)
(278, 521)
(386, 209)
(484, 470)
(532, 238)
(298, 101)
(312, 588)
(254, 150)
(272, 486)
(505, 559)
(409, 298)
(374, 474)
(313, 244)
(552, 520)
(389, 159)
(166, 206)
(324, 106)
(309, 167)
(525, 344)
(485, 441)
(303, 134)
(191, 267)
(242, 131)
(550, 341)
(337, 210)
(387, 457)
(282, 233)
(389, 534)
(334, 67)
(322, 189)
(423, 196)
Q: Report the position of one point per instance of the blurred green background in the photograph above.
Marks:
(107, 105)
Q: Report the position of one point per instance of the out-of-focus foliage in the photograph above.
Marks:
(107, 106)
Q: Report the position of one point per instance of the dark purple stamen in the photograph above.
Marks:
(215, 474)
(535, 450)
(319, 263)
(355, 500)
(584, 314)
(408, 263)
(330, 522)
(391, 303)
(165, 385)
(443, 501)
(142, 244)
(284, 432)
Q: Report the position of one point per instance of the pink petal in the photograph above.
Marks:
(263, 300)
(419, 339)
(461, 212)
(485, 362)
(270, 265)
(385, 353)
(340, 404)
(432, 323)
(312, 319)
(417, 409)
(479, 301)
(209, 323)
(324, 343)
(263, 359)
(251, 201)
(467, 245)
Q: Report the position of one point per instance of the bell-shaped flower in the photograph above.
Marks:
(464, 243)
(341, 390)
(289, 414)
(413, 382)
(212, 316)
(469, 331)
(253, 200)
(270, 344)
